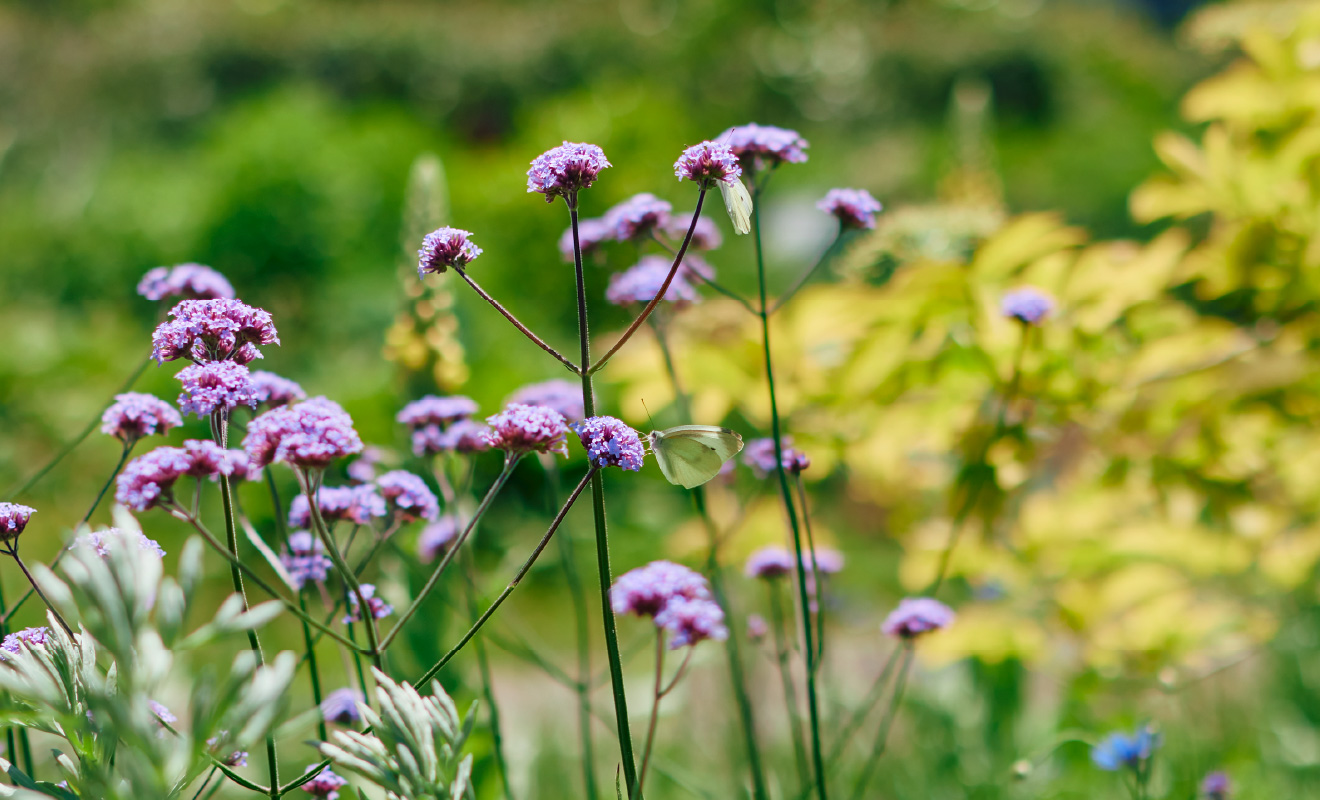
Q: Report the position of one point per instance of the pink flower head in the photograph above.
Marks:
(438, 537)
(215, 386)
(435, 410)
(135, 415)
(408, 496)
(304, 559)
(769, 562)
(210, 460)
(706, 236)
(610, 443)
(759, 454)
(379, 608)
(464, 436)
(827, 561)
(592, 233)
(561, 395)
(758, 146)
(1027, 305)
(691, 620)
(15, 642)
(915, 616)
(363, 469)
(639, 284)
(189, 281)
(708, 161)
(213, 330)
(325, 785)
(756, 627)
(273, 390)
(564, 170)
(309, 434)
(645, 591)
(444, 248)
(341, 706)
(520, 429)
(636, 217)
(106, 539)
(356, 504)
(854, 208)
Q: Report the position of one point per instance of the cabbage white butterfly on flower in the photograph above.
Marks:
(690, 455)
(738, 202)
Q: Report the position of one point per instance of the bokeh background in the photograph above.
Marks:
(1148, 551)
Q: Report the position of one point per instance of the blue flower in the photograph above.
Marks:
(1118, 750)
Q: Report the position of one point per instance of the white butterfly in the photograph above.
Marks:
(690, 455)
(738, 203)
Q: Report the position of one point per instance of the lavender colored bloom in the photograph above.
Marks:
(379, 608)
(636, 217)
(708, 161)
(1217, 786)
(135, 415)
(363, 469)
(237, 758)
(520, 429)
(694, 268)
(854, 208)
(210, 460)
(14, 643)
(13, 519)
(148, 480)
(769, 562)
(564, 170)
(434, 410)
(915, 616)
(215, 386)
(273, 390)
(561, 395)
(340, 706)
(326, 784)
(408, 496)
(759, 454)
(191, 281)
(1027, 305)
(640, 283)
(103, 541)
(1118, 750)
(828, 561)
(592, 233)
(444, 248)
(356, 504)
(610, 443)
(756, 627)
(438, 537)
(758, 146)
(691, 621)
(464, 436)
(645, 591)
(706, 236)
(310, 434)
(162, 713)
(305, 559)
(213, 330)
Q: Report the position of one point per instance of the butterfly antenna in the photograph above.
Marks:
(648, 415)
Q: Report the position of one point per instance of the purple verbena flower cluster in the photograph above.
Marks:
(135, 415)
(162, 713)
(325, 785)
(274, 390)
(305, 559)
(436, 538)
(640, 283)
(444, 248)
(190, 281)
(309, 434)
(1217, 786)
(13, 519)
(915, 616)
(521, 429)
(759, 454)
(675, 597)
(441, 425)
(215, 386)
(564, 170)
(236, 758)
(769, 562)
(826, 561)
(379, 608)
(854, 208)
(708, 161)
(705, 236)
(14, 643)
(758, 146)
(340, 706)
(106, 539)
(561, 395)
(592, 233)
(635, 218)
(408, 496)
(363, 468)
(1027, 305)
(213, 330)
(610, 442)
(148, 480)
(756, 627)
(435, 410)
(690, 621)
(356, 504)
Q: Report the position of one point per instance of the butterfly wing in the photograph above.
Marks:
(690, 455)
(738, 203)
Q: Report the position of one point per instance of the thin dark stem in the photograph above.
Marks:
(657, 695)
(313, 672)
(357, 659)
(864, 710)
(11, 550)
(819, 621)
(882, 738)
(786, 677)
(824, 259)
(202, 788)
(511, 318)
(19, 489)
(513, 584)
(813, 706)
(487, 685)
(659, 295)
(510, 461)
(9, 731)
(711, 282)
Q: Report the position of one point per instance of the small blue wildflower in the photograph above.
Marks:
(1027, 305)
(1118, 750)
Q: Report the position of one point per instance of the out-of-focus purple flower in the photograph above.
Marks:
(854, 208)
(309, 434)
(444, 248)
(706, 236)
(215, 386)
(592, 233)
(340, 706)
(638, 284)
(691, 621)
(827, 561)
(273, 390)
(379, 608)
(408, 496)
(758, 146)
(434, 410)
(1118, 750)
(326, 784)
(708, 161)
(213, 330)
(1217, 786)
(356, 504)
(561, 395)
(564, 170)
(756, 627)
(106, 539)
(162, 713)
(759, 454)
(694, 268)
(14, 643)
(237, 758)
(135, 415)
(363, 469)
(636, 217)
(915, 616)
(13, 519)
(464, 436)
(769, 562)
(1027, 305)
(305, 559)
(610, 443)
(438, 537)
(210, 460)
(646, 590)
(190, 281)
(148, 480)
(520, 429)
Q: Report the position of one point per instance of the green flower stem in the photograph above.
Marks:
(864, 710)
(886, 723)
(9, 731)
(819, 622)
(357, 659)
(487, 683)
(517, 578)
(313, 673)
(825, 258)
(786, 677)
(813, 705)
(11, 550)
(711, 282)
(510, 461)
(20, 488)
(715, 572)
(655, 709)
(511, 318)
